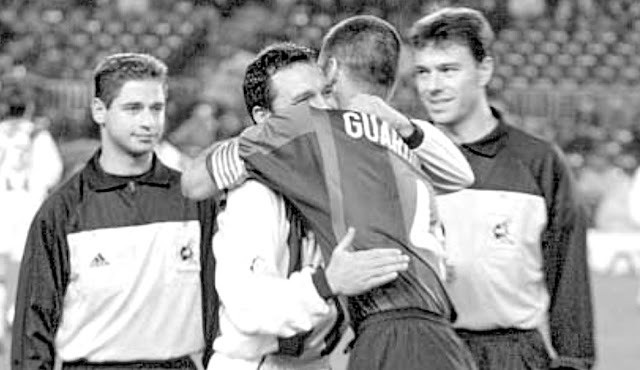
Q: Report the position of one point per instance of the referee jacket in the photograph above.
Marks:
(517, 241)
(116, 269)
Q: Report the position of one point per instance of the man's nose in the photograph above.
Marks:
(435, 82)
(148, 118)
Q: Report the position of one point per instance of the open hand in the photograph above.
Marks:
(351, 272)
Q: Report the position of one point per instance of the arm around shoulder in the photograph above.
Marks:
(217, 168)
(442, 160)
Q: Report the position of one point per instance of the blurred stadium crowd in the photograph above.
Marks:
(568, 70)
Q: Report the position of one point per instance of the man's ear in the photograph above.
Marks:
(331, 70)
(260, 114)
(486, 70)
(98, 111)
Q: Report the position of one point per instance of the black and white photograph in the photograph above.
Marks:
(320, 185)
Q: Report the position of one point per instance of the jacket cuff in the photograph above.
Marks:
(571, 363)
(292, 346)
(416, 138)
(322, 285)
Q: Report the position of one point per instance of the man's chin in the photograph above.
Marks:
(440, 118)
(142, 150)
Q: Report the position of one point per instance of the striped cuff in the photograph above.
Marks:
(225, 167)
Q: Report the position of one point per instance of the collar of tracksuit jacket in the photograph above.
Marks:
(99, 180)
(490, 145)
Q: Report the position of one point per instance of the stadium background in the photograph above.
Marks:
(568, 70)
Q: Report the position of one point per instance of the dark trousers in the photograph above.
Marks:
(176, 364)
(511, 349)
(408, 339)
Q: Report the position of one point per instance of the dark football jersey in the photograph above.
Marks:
(343, 168)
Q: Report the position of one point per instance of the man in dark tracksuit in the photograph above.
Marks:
(516, 238)
(118, 268)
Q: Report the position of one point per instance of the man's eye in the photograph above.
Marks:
(300, 99)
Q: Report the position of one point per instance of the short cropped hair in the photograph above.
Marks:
(256, 86)
(117, 69)
(368, 47)
(461, 25)
(15, 95)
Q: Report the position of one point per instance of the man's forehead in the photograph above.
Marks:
(298, 71)
(141, 90)
(298, 76)
(449, 49)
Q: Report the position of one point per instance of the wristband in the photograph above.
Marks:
(416, 137)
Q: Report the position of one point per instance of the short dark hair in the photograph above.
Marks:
(461, 25)
(368, 47)
(256, 86)
(117, 69)
(16, 95)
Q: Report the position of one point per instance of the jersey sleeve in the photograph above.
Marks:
(564, 248)
(226, 161)
(41, 287)
(441, 160)
(225, 167)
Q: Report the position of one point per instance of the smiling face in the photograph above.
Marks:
(450, 82)
(133, 123)
(295, 84)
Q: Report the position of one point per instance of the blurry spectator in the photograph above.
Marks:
(199, 131)
(30, 165)
(230, 124)
(223, 86)
(596, 181)
(612, 213)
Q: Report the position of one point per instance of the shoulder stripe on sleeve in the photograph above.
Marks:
(227, 167)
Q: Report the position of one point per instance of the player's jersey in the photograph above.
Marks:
(341, 169)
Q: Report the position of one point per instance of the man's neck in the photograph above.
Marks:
(120, 164)
(474, 127)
